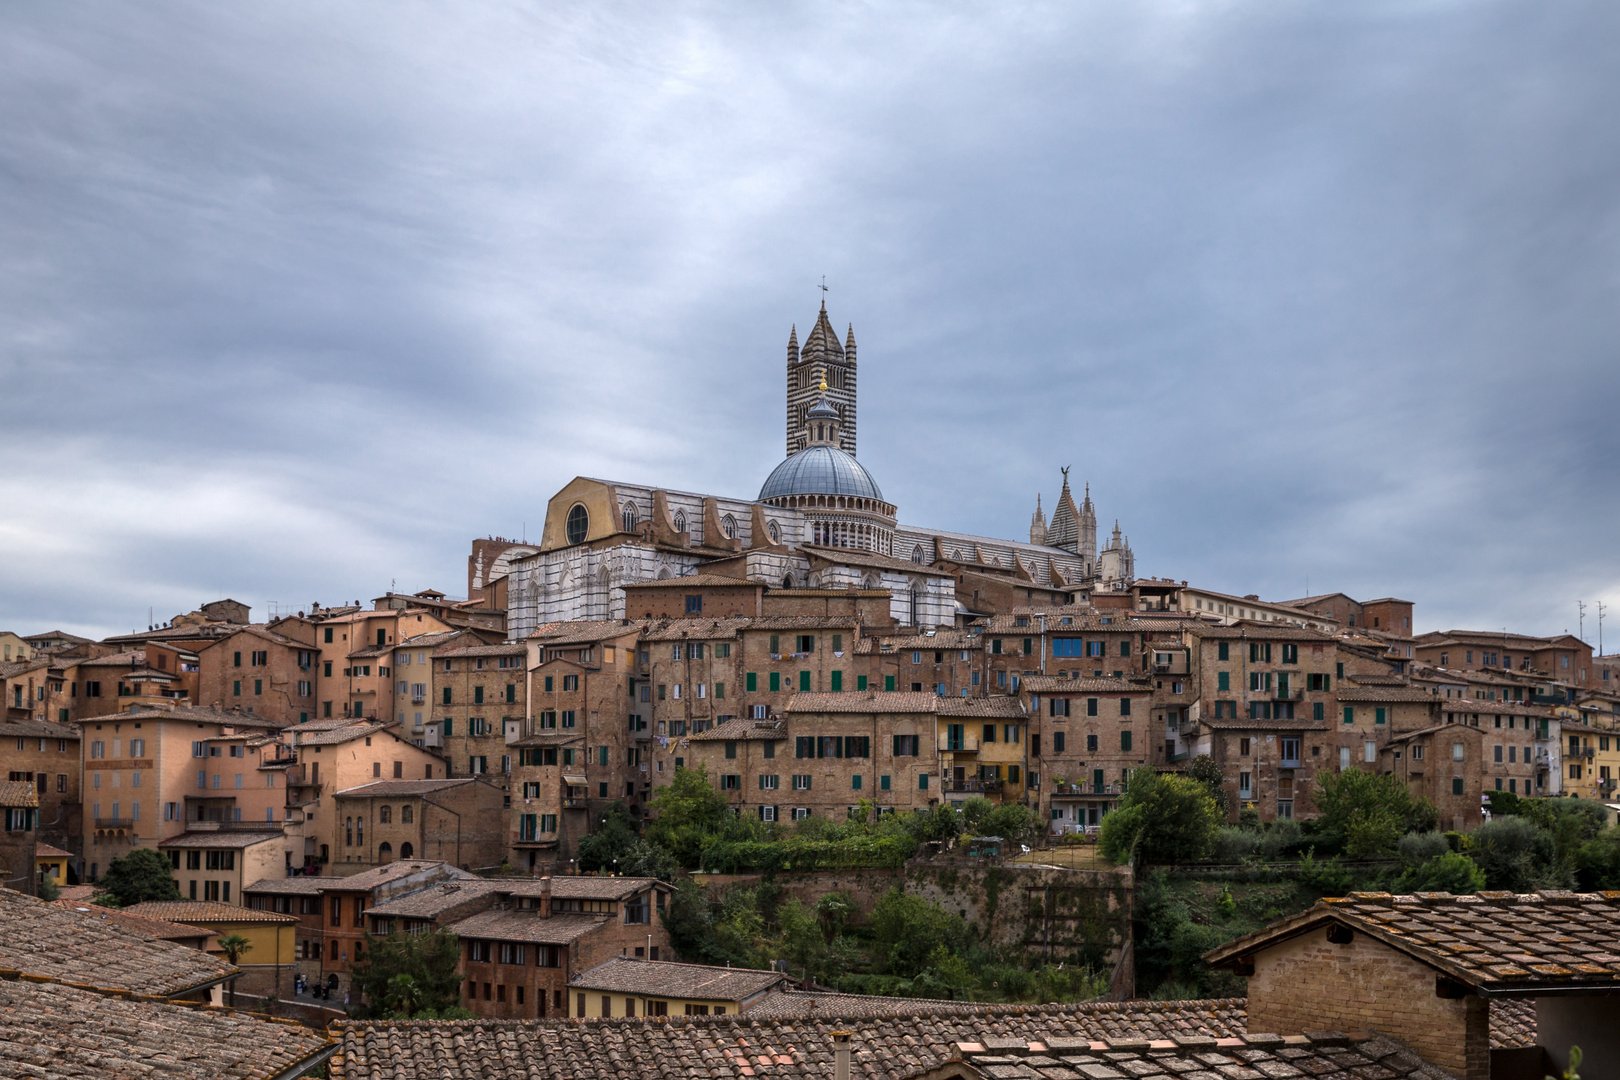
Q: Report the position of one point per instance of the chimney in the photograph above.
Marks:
(840, 1055)
(545, 897)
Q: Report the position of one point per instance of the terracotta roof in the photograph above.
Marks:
(1513, 1022)
(1243, 723)
(527, 926)
(581, 887)
(58, 1030)
(1378, 680)
(39, 729)
(1052, 684)
(1258, 632)
(347, 733)
(694, 581)
(1000, 707)
(743, 727)
(864, 701)
(161, 929)
(41, 939)
(1322, 1053)
(853, 557)
(297, 885)
(585, 632)
(367, 880)
(43, 850)
(437, 898)
(888, 1047)
(1393, 694)
(1492, 940)
(1007, 625)
(200, 714)
(663, 978)
(826, 1004)
(699, 629)
(393, 789)
(803, 622)
(204, 911)
(18, 793)
(944, 639)
(510, 648)
(223, 838)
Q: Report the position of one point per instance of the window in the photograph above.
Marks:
(579, 524)
(730, 782)
(751, 682)
(1091, 744)
(855, 782)
(1124, 706)
(1091, 706)
(694, 605)
(1125, 739)
(1349, 714)
(801, 782)
(1223, 680)
(1057, 742)
(1222, 652)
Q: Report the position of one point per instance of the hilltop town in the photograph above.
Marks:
(505, 768)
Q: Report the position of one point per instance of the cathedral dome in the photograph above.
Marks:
(820, 470)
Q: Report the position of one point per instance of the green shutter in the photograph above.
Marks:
(804, 680)
(1221, 651)
(449, 727)
(1096, 780)
(1380, 717)
(1349, 714)
(888, 682)
(1223, 680)
(1125, 740)
(837, 680)
(922, 781)
(601, 755)
(860, 682)
(751, 681)
(776, 645)
(776, 680)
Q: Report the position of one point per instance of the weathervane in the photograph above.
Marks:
(824, 289)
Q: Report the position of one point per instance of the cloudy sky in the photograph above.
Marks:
(297, 299)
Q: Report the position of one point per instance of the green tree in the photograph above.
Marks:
(429, 960)
(690, 814)
(141, 875)
(907, 930)
(1515, 854)
(233, 946)
(1161, 819)
(47, 889)
(1204, 770)
(1452, 872)
(611, 841)
(1371, 811)
(1010, 821)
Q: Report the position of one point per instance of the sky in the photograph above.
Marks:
(298, 299)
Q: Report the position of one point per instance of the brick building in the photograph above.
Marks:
(458, 820)
(47, 755)
(1085, 735)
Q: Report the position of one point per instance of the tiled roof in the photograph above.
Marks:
(743, 727)
(694, 581)
(161, 929)
(1513, 1022)
(1001, 706)
(1319, 1054)
(662, 978)
(382, 875)
(584, 632)
(18, 793)
(43, 850)
(1494, 940)
(1007, 625)
(204, 911)
(699, 629)
(393, 789)
(892, 1046)
(57, 1030)
(223, 838)
(1258, 632)
(944, 639)
(510, 648)
(1243, 723)
(1052, 684)
(1393, 694)
(297, 885)
(1496, 708)
(199, 714)
(39, 729)
(581, 887)
(852, 557)
(334, 736)
(813, 1003)
(864, 701)
(1378, 680)
(437, 898)
(526, 926)
(41, 939)
(803, 622)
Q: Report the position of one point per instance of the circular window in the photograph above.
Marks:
(579, 523)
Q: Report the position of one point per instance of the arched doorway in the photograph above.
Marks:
(406, 851)
(385, 852)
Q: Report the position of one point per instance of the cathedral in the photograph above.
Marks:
(819, 523)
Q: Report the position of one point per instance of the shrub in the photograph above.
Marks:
(1420, 847)
(1234, 844)
(1450, 872)
(141, 875)
(1161, 818)
(1514, 854)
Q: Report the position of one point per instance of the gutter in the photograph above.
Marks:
(309, 1064)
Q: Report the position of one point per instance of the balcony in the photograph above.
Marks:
(975, 786)
(1289, 694)
(574, 804)
(115, 823)
(1084, 787)
(965, 744)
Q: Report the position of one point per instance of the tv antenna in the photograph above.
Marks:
(1600, 627)
(1580, 605)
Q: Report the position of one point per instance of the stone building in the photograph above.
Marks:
(461, 821)
(47, 756)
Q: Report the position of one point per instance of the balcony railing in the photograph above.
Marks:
(1085, 787)
(987, 787)
(115, 823)
(968, 744)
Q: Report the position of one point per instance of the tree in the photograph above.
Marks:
(603, 849)
(1452, 872)
(1204, 770)
(1515, 855)
(427, 960)
(690, 814)
(141, 875)
(233, 946)
(907, 930)
(1010, 821)
(1372, 811)
(1161, 818)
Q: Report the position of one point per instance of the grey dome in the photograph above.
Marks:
(821, 470)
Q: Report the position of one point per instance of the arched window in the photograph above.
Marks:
(407, 816)
(359, 832)
(787, 582)
(728, 526)
(385, 815)
(917, 554)
(776, 535)
(385, 852)
(629, 517)
(348, 832)
(406, 851)
(680, 521)
(579, 524)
